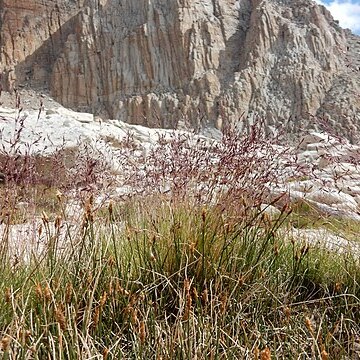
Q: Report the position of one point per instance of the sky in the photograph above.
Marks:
(346, 11)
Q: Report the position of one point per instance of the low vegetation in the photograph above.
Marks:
(190, 267)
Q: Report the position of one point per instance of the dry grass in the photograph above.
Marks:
(194, 272)
(159, 279)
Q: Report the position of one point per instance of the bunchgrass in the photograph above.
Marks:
(155, 278)
(190, 268)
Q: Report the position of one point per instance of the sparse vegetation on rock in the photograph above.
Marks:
(185, 260)
(207, 234)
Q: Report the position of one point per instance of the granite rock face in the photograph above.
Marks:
(186, 63)
(30, 34)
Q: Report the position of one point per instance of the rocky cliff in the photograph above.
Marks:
(186, 63)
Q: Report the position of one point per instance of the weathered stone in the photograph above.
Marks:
(271, 211)
(325, 239)
(186, 63)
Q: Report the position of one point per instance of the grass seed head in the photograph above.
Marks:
(265, 354)
(192, 247)
(7, 295)
(324, 355)
(24, 335)
(57, 222)
(223, 303)
(110, 288)
(88, 214)
(38, 291)
(133, 315)
(142, 332)
(205, 296)
(188, 302)
(5, 343)
(309, 325)
(60, 317)
(287, 313)
(203, 215)
(68, 293)
(96, 317)
(47, 293)
(105, 353)
(256, 353)
(103, 299)
(111, 261)
(276, 250)
(195, 294)
(187, 285)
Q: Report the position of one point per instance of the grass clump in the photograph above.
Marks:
(163, 279)
(193, 267)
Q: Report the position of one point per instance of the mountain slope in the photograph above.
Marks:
(182, 63)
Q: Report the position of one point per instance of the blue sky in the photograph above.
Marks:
(346, 11)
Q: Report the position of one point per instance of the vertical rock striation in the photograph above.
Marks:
(186, 63)
(30, 34)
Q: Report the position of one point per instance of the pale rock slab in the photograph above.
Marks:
(270, 210)
(325, 239)
(332, 197)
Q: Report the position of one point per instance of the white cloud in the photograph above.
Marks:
(347, 12)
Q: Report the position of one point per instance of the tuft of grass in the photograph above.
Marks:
(190, 268)
(157, 278)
